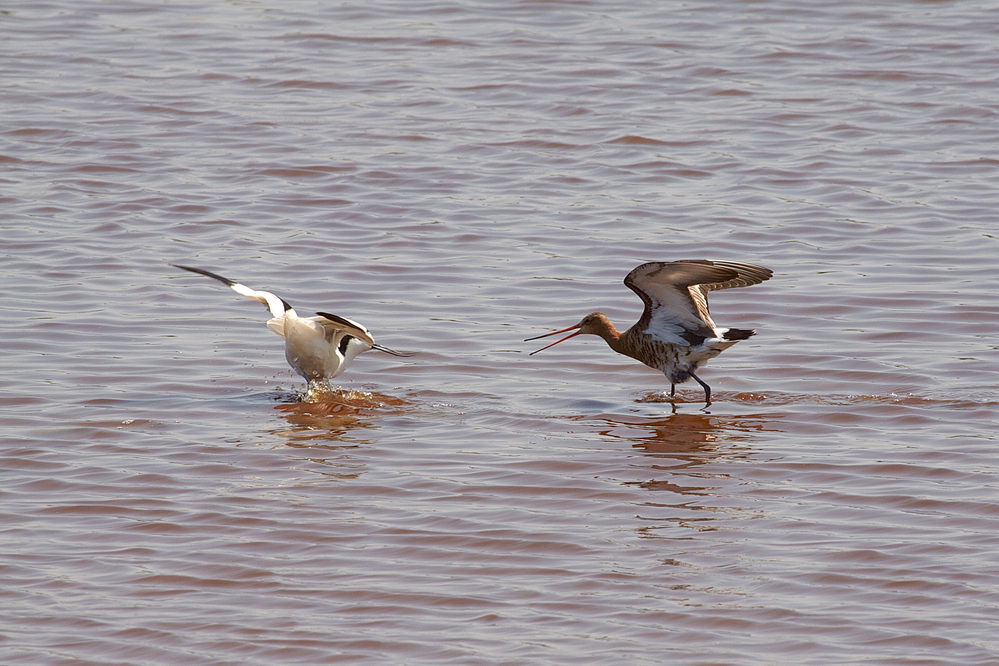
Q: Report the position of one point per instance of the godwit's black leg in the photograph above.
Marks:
(707, 389)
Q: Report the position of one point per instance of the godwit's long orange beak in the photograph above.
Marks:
(537, 337)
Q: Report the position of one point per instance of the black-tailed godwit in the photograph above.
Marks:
(675, 333)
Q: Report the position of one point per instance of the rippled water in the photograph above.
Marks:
(459, 176)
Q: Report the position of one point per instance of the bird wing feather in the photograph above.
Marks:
(275, 304)
(336, 326)
(675, 295)
(276, 324)
(746, 274)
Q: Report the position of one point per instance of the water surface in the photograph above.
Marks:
(459, 176)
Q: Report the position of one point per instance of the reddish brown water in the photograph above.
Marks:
(459, 176)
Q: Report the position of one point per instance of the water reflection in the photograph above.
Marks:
(684, 436)
(329, 416)
(687, 459)
(329, 425)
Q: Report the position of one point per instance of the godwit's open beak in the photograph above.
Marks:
(536, 337)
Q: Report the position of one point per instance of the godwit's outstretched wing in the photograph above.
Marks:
(675, 295)
(747, 274)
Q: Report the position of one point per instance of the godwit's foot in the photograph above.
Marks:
(707, 389)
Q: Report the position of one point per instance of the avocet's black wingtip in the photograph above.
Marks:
(342, 320)
(200, 271)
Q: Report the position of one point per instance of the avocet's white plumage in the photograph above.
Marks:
(318, 348)
(675, 333)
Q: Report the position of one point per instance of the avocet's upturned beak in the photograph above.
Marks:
(563, 330)
(393, 352)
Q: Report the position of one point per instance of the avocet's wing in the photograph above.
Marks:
(337, 326)
(276, 305)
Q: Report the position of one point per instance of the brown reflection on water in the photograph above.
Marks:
(325, 418)
(682, 451)
(321, 423)
(692, 438)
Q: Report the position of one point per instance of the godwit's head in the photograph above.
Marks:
(595, 323)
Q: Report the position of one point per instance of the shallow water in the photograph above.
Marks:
(460, 176)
